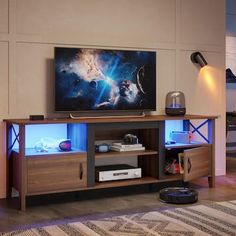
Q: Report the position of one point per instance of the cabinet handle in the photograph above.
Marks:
(189, 166)
(81, 170)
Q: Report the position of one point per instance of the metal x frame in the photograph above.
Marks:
(187, 124)
(16, 137)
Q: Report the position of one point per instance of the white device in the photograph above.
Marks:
(117, 172)
(181, 136)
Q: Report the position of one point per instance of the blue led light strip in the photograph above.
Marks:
(16, 137)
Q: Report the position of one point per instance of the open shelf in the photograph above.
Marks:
(53, 151)
(120, 183)
(143, 180)
(108, 184)
(117, 183)
(173, 177)
(125, 154)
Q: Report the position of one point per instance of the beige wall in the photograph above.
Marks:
(30, 29)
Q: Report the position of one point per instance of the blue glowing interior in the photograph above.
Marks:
(77, 133)
(172, 125)
(34, 133)
(41, 139)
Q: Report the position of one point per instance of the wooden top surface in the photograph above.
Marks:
(113, 119)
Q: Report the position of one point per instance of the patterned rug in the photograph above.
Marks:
(212, 219)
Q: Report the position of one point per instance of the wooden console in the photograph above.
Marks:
(34, 173)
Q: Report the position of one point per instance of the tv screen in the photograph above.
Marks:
(88, 79)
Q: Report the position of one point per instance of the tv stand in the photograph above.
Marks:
(142, 114)
(32, 172)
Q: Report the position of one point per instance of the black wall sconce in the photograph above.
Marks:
(198, 58)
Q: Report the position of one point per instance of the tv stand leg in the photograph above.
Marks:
(211, 181)
(22, 199)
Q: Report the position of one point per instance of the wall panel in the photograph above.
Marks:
(103, 22)
(201, 86)
(4, 16)
(200, 22)
(4, 78)
(38, 79)
(34, 80)
(165, 76)
(205, 94)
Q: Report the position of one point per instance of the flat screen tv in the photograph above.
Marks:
(88, 79)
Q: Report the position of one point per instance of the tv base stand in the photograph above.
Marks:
(142, 114)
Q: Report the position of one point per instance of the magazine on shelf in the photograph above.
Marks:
(124, 145)
(126, 149)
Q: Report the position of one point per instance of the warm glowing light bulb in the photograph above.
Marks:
(206, 73)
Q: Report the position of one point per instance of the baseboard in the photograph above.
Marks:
(220, 172)
(3, 193)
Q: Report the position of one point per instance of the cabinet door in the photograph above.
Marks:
(197, 163)
(55, 173)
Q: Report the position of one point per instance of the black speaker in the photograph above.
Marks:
(175, 103)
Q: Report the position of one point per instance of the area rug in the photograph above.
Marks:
(211, 219)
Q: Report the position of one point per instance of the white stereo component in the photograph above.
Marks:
(117, 172)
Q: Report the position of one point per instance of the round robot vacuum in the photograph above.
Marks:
(178, 195)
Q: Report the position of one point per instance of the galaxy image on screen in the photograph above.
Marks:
(102, 79)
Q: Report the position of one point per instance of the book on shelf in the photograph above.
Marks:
(181, 163)
(124, 145)
(126, 149)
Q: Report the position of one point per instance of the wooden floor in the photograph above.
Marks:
(68, 207)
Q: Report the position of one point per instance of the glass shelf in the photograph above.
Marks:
(52, 151)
